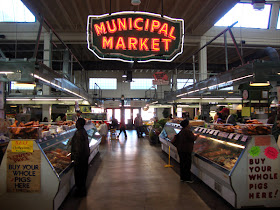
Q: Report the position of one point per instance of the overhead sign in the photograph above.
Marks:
(161, 78)
(135, 36)
(111, 104)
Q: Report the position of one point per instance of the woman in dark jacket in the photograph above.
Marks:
(80, 154)
(184, 141)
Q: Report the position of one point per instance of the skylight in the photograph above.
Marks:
(278, 22)
(246, 16)
(15, 11)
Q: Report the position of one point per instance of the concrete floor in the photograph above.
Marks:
(130, 174)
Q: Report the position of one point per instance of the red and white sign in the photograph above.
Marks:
(161, 78)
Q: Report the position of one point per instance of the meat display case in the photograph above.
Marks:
(52, 160)
(242, 169)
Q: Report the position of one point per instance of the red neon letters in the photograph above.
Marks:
(135, 43)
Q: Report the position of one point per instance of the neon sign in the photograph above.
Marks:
(135, 36)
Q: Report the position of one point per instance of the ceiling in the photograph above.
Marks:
(69, 16)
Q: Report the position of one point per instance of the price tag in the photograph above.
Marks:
(230, 136)
(204, 130)
(237, 136)
(208, 131)
(212, 131)
(226, 134)
(221, 134)
(244, 138)
(201, 129)
(216, 133)
(196, 129)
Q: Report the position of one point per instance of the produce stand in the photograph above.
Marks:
(38, 173)
(242, 169)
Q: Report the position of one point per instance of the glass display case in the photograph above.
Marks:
(229, 163)
(49, 159)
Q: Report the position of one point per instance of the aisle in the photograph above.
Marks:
(130, 174)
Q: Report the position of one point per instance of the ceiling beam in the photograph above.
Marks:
(78, 14)
(54, 19)
(89, 6)
(65, 14)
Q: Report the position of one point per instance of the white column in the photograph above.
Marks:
(274, 16)
(203, 60)
(47, 108)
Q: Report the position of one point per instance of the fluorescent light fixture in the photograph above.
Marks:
(44, 99)
(13, 106)
(259, 84)
(213, 98)
(230, 92)
(235, 145)
(18, 99)
(234, 98)
(190, 98)
(69, 99)
(154, 102)
(24, 84)
(6, 72)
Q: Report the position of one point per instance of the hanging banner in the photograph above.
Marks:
(137, 103)
(135, 36)
(111, 104)
(24, 171)
(161, 78)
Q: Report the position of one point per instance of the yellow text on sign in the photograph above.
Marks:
(22, 146)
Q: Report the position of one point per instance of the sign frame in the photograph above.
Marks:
(124, 58)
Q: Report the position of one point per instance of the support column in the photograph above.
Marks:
(47, 108)
(174, 80)
(203, 60)
(274, 16)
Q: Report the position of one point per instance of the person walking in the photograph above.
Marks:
(138, 123)
(122, 128)
(79, 154)
(184, 141)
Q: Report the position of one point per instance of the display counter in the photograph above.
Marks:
(242, 169)
(39, 172)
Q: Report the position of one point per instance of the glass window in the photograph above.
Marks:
(278, 22)
(147, 115)
(246, 16)
(14, 86)
(118, 115)
(103, 83)
(141, 84)
(181, 83)
(227, 88)
(135, 112)
(15, 11)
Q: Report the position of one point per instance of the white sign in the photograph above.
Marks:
(137, 103)
(111, 104)
(160, 82)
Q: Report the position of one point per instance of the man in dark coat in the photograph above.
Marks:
(184, 141)
(80, 154)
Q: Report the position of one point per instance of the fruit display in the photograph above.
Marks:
(59, 159)
(218, 153)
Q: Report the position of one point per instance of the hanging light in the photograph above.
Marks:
(135, 2)
(259, 84)
(124, 74)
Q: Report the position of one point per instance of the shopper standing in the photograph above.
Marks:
(103, 130)
(184, 141)
(76, 116)
(138, 123)
(80, 154)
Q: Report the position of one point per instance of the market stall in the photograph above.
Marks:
(241, 168)
(39, 172)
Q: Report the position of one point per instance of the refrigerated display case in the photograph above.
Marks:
(242, 169)
(53, 162)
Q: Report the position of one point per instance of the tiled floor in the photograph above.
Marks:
(130, 174)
